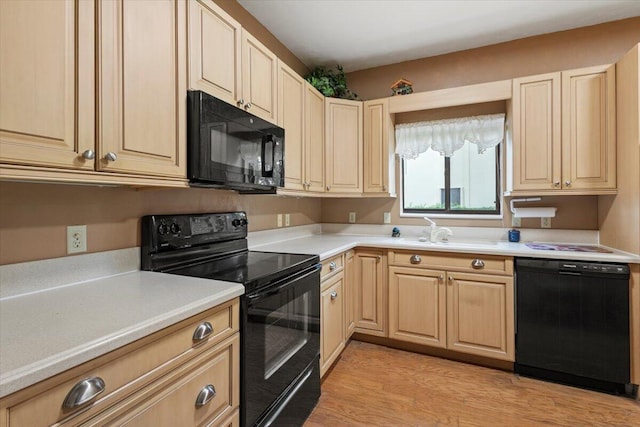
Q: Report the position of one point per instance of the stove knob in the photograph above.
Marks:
(243, 221)
(236, 222)
(175, 228)
(163, 229)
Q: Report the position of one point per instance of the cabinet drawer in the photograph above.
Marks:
(331, 266)
(124, 372)
(204, 390)
(490, 264)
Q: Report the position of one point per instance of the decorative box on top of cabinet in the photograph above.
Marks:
(563, 133)
(48, 119)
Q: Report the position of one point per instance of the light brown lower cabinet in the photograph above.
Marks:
(156, 381)
(349, 294)
(466, 311)
(370, 292)
(332, 338)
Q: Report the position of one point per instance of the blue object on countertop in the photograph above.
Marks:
(395, 232)
(514, 235)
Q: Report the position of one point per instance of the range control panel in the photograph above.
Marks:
(160, 232)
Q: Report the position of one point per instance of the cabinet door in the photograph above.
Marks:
(588, 128)
(47, 83)
(343, 138)
(259, 78)
(291, 103)
(142, 107)
(537, 132)
(314, 139)
(480, 316)
(349, 294)
(378, 152)
(417, 306)
(371, 298)
(214, 51)
(332, 319)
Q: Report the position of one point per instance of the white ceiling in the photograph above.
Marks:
(361, 34)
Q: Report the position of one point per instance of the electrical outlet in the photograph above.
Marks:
(279, 220)
(545, 222)
(287, 220)
(352, 217)
(516, 222)
(76, 239)
(386, 217)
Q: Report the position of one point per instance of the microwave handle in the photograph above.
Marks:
(268, 155)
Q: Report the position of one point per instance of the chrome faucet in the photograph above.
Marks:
(438, 234)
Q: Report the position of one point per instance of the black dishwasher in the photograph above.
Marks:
(572, 323)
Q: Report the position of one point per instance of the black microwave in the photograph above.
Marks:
(227, 147)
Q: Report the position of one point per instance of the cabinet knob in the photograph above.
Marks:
(83, 392)
(247, 106)
(477, 264)
(89, 154)
(379, 258)
(332, 266)
(415, 259)
(111, 156)
(442, 277)
(334, 295)
(240, 102)
(556, 184)
(205, 395)
(202, 331)
(567, 183)
(384, 188)
(450, 280)
(328, 188)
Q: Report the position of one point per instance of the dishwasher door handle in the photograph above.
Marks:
(570, 273)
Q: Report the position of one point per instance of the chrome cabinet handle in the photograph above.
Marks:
(334, 295)
(83, 392)
(247, 106)
(202, 331)
(111, 156)
(477, 264)
(240, 102)
(415, 259)
(567, 183)
(89, 154)
(556, 183)
(332, 266)
(205, 395)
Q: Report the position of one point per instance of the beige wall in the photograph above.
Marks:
(251, 24)
(34, 217)
(598, 44)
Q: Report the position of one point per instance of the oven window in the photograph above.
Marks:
(286, 330)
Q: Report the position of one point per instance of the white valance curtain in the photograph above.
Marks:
(448, 136)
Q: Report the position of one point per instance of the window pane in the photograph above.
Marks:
(473, 179)
(424, 182)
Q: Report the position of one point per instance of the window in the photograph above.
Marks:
(465, 183)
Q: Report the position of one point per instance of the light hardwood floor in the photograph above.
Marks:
(372, 385)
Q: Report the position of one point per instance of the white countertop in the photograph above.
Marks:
(46, 332)
(328, 245)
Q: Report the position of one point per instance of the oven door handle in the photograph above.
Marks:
(284, 283)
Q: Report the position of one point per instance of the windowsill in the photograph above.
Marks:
(450, 216)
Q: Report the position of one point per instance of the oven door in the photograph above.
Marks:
(281, 337)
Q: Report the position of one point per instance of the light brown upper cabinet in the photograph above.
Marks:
(343, 146)
(301, 114)
(229, 63)
(379, 146)
(214, 51)
(142, 87)
(563, 135)
(47, 83)
(259, 78)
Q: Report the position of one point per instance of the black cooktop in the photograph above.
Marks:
(252, 268)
